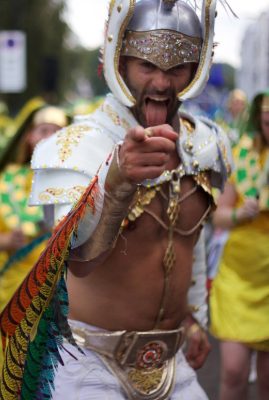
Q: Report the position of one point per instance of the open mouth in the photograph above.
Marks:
(156, 110)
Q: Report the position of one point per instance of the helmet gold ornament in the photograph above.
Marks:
(164, 32)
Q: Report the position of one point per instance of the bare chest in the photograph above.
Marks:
(150, 215)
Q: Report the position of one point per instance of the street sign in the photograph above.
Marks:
(12, 61)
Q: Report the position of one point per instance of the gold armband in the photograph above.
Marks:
(194, 328)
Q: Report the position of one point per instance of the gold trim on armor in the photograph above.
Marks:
(69, 138)
(115, 117)
(162, 47)
(57, 194)
(111, 6)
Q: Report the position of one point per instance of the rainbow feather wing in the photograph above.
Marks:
(43, 352)
(34, 322)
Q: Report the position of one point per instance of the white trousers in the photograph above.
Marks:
(85, 377)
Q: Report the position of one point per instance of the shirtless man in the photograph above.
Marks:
(132, 247)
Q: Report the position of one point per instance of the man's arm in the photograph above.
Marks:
(198, 345)
(138, 158)
(197, 295)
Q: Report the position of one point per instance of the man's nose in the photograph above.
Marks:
(161, 80)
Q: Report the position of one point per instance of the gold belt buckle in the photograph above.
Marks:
(152, 355)
(146, 350)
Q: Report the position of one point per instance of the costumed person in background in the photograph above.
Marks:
(126, 248)
(23, 234)
(8, 160)
(240, 292)
(233, 119)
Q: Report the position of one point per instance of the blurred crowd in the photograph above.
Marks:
(238, 253)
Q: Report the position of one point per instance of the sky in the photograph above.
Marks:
(86, 19)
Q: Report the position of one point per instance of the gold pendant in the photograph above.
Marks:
(174, 190)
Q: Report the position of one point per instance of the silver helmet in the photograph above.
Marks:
(164, 32)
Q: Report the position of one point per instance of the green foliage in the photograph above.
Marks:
(84, 65)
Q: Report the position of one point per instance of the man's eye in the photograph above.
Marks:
(148, 65)
(179, 69)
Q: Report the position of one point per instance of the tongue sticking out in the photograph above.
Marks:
(156, 112)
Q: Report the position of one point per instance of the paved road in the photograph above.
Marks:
(209, 375)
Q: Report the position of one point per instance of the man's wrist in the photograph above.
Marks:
(116, 184)
(192, 325)
(193, 328)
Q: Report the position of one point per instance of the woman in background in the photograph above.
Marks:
(239, 300)
(23, 234)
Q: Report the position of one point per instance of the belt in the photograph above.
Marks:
(143, 362)
(142, 349)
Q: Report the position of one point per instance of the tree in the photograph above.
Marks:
(84, 65)
(46, 35)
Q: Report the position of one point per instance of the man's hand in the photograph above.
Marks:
(249, 210)
(147, 153)
(13, 240)
(198, 345)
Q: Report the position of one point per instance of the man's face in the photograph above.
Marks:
(265, 126)
(237, 107)
(155, 90)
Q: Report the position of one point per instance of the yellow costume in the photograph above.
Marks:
(36, 119)
(239, 301)
(15, 185)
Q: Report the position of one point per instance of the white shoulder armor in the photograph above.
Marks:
(65, 163)
(204, 146)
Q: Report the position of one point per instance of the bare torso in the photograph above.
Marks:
(125, 291)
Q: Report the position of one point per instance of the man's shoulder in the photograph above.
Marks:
(200, 126)
(65, 163)
(204, 146)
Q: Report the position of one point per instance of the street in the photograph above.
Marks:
(209, 375)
